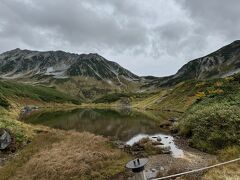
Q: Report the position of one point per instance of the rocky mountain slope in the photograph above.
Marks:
(221, 63)
(58, 64)
(86, 75)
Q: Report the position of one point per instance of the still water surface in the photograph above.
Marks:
(122, 125)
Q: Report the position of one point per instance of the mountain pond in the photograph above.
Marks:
(124, 125)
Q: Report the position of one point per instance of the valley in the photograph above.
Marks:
(87, 109)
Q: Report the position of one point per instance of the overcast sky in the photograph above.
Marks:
(148, 37)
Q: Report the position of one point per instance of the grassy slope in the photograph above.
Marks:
(12, 94)
(12, 90)
(179, 98)
(212, 123)
(59, 154)
(22, 132)
(230, 171)
(138, 100)
(148, 100)
(90, 89)
(211, 117)
(111, 98)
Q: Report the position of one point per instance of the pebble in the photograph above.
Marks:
(153, 170)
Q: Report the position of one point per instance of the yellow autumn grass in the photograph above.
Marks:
(66, 155)
(226, 172)
(56, 154)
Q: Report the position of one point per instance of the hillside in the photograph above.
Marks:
(215, 112)
(221, 63)
(12, 91)
(86, 75)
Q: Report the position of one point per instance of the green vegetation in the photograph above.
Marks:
(180, 97)
(22, 132)
(3, 102)
(110, 98)
(148, 100)
(113, 97)
(213, 122)
(212, 127)
(13, 90)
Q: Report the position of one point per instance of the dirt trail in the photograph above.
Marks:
(165, 164)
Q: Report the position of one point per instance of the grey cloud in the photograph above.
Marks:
(72, 22)
(173, 31)
(135, 33)
(216, 16)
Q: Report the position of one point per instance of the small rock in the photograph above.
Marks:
(166, 152)
(5, 139)
(121, 146)
(157, 143)
(153, 170)
(159, 138)
(174, 119)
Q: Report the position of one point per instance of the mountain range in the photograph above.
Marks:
(89, 75)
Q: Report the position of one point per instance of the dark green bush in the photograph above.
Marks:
(3, 102)
(212, 126)
(109, 98)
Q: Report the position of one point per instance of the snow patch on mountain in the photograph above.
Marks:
(58, 73)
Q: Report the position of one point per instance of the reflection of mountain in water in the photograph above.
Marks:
(103, 122)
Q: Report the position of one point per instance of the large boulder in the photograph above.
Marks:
(5, 139)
